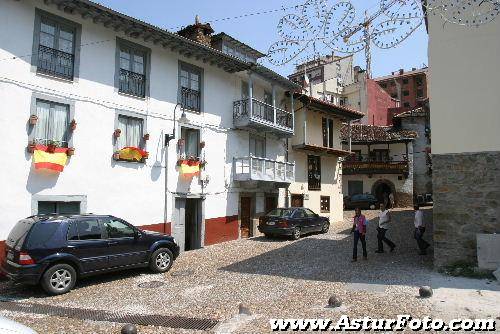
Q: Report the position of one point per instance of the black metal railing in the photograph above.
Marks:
(262, 111)
(284, 118)
(55, 62)
(132, 83)
(190, 99)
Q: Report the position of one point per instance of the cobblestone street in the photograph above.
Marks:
(274, 278)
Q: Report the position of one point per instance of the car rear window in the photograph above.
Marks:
(18, 233)
(42, 234)
(280, 213)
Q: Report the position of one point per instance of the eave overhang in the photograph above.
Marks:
(344, 113)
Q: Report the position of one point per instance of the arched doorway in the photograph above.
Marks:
(381, 190)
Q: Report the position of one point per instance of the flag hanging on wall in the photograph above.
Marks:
(187, 167)
(46, 159)
(132, 154)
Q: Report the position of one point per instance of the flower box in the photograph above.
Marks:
(33, 119)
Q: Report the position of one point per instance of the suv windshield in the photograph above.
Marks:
(19, 232)
(280, 213)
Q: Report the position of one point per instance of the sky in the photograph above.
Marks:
(260, 31)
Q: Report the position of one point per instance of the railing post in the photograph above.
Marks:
(293, 113)
(275, 168)
(273, 87)
(250, 94)
(251, 166)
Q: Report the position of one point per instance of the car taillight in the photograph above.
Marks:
(283, 223)
(25, 259)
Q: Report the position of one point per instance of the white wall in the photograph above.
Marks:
(135, 192)
(464, 94)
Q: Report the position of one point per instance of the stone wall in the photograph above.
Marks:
(466, 202)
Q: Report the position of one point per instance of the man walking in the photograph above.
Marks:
(383, 225)
(419, 230)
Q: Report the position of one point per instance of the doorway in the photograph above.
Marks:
(245, 216)
(188, 223)
(381, 190)
(271, 203)
(297, 200)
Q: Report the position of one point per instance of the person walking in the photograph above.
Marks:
(419, 231)
(359, 230)
(391, 200)
(383, 225)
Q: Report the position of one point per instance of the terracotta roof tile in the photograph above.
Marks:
(373, 133)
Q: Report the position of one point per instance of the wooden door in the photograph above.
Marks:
(271, 203)
(245, 216)
(297, 200)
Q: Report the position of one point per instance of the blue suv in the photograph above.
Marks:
(55, 250)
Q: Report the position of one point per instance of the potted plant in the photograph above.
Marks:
(31, 146)
(203, 164)
(116, 155)
(145, 155)
(52, 145)
(70, 151)
(33, 119)
(72, 125)
(117, 133)
(146, 137)
(202, 144)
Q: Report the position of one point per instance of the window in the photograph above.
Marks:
(380, 155)
(325, 203)
(48, 207)
(420, 93)
(419, 81)
(131, 131)
(406, 92)
(383, 85)
(117, 229)
(328, 131)
(314, 172)
(343, 101)
(132, 71)
(299, 213)
(88, 229)
(394, 96)
(355, 156)
(54, 45)
(191, 139)
(52, 124)
(257, 146)
(309, 213)
(190, 87)
(42, 234)
(354, 187)
(406, 104)
(405, 81)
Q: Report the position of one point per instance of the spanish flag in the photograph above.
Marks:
(189, 167)
(132, 154)
(44, 159)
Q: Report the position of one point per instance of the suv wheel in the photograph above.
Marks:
(59, 279)
(161, 260)
(296, 233)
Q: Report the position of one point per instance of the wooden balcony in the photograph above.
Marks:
(262, 117)
(262, 169)
(375, 167)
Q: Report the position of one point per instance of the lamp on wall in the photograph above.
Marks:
(183, 119)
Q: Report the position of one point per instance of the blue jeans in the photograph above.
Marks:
(358, 236)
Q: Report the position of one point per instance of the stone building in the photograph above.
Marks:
(465, 118)
(381, 162)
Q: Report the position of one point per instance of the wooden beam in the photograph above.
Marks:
(148, 37)
(86, 14)
(108, 23)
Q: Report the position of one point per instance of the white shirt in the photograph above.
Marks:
(419, 219)
(383, 219)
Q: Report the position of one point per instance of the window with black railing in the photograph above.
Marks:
(56, 49)
(190, 87)
(314, 172)
(132, 79)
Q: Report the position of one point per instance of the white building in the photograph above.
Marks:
(106, 71)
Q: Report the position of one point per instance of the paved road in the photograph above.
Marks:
(273, 278)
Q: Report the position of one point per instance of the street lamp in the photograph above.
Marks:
(183, 119)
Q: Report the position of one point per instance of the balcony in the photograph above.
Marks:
(262, 169)
(357, 165)
(263, 117)
(132, 83)
(190, 99)
(55, 62)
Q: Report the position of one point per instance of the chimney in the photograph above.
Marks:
(401, 71)
(198, 32)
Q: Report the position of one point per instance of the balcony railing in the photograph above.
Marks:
(261, 115)
(262, 169)
(387, 166)
(132, 83)
(55, 62)
(190, 99)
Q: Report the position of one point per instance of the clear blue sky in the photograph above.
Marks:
(259, 31)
